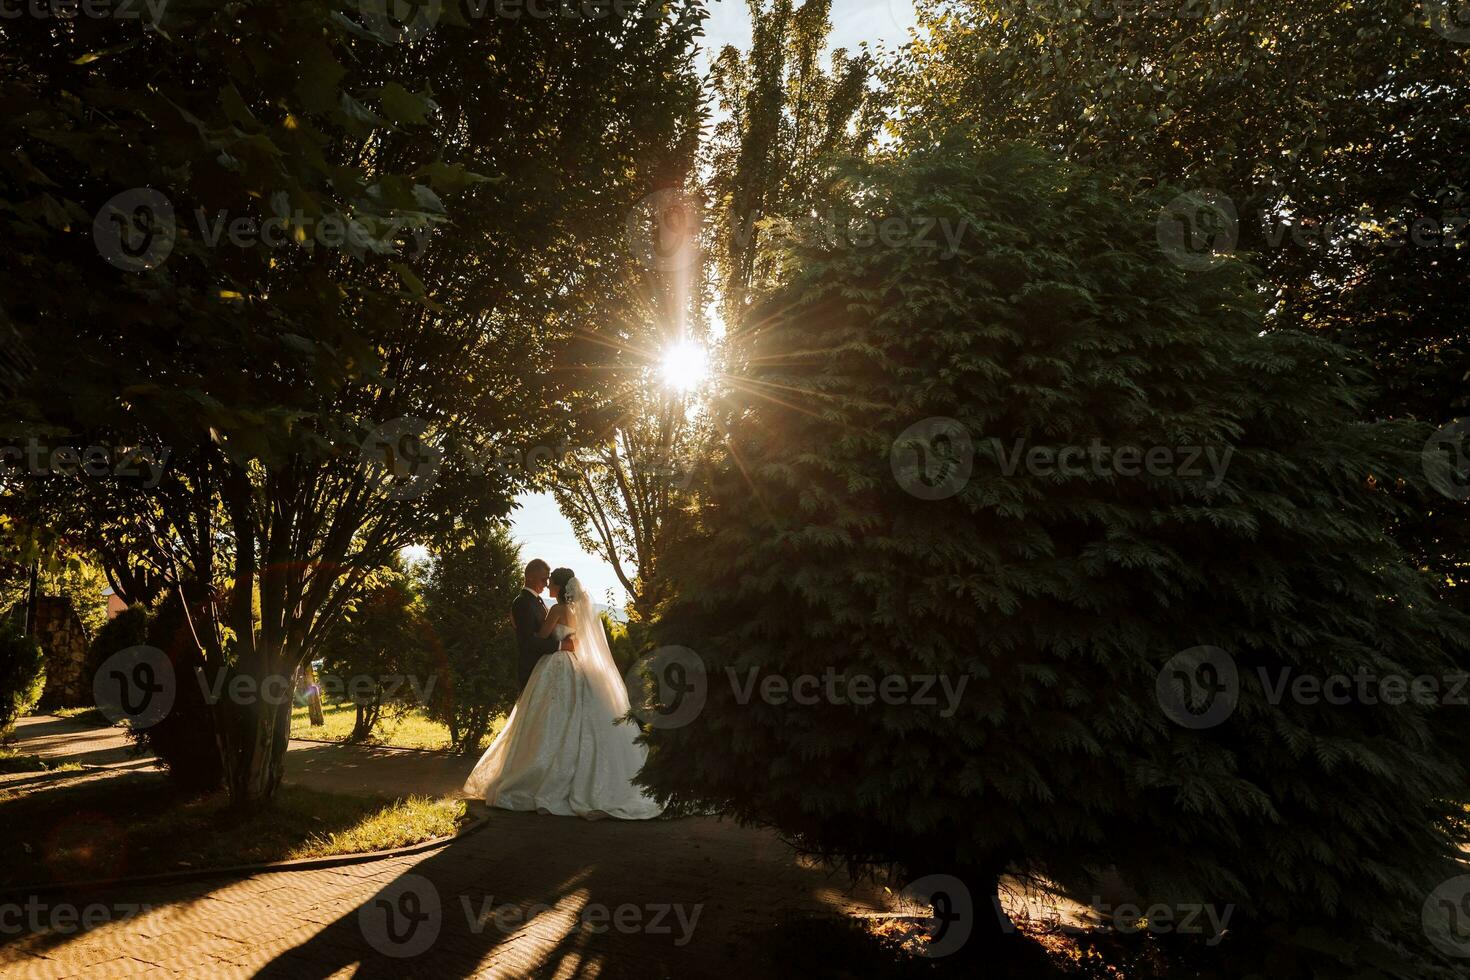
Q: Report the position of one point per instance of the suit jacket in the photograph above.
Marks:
(529, 612)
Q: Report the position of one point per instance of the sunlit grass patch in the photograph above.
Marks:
(137, 823)
(399, 824)
(12, 761)
(411, 730)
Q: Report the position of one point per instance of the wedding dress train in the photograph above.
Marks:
(562, 750)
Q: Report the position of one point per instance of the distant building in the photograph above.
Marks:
(114, 604)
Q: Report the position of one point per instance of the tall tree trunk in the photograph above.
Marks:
(256, 731)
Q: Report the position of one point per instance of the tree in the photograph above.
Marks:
(782, 115)
(1334, 136)
(846, 536)
(327, 388)
(627, 498)
(381, 651)
(467, 593)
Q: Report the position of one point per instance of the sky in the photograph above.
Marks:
(537, 524)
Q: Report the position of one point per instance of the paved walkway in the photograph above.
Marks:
(528, 896)
(330, 767)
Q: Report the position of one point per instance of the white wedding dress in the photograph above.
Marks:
(563, 750)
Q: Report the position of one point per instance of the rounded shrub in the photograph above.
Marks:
(22, 675)
(1033, 474)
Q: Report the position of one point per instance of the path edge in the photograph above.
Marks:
(244, 870)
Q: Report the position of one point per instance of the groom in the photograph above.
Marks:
(529, 612)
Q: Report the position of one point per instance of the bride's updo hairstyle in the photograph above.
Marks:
(561, 577)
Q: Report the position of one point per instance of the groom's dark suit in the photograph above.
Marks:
(529, 612)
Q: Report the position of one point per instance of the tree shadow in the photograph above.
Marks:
(527, 896)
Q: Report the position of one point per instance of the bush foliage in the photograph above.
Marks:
(22, 675)
(1059, 597)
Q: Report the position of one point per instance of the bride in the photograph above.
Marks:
(562, 750)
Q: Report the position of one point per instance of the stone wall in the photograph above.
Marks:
(64, 641)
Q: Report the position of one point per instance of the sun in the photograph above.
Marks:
(684, 366)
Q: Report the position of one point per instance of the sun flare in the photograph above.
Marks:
(684, 366)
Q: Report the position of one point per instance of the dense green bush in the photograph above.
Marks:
(467, 594)
(185, 741)
(128, 628)
(837, 536)
(22, 675)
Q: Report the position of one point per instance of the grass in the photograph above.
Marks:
(12, 762)
(89, 716)
(136, 823)
(412, 730)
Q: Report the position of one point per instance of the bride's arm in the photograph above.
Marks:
(556, 615)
